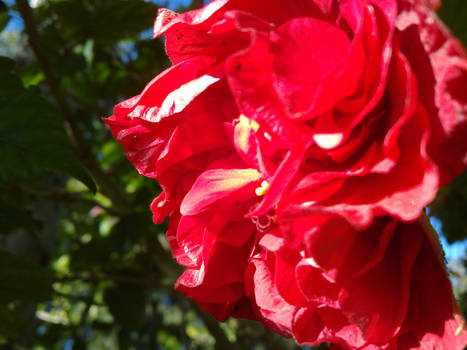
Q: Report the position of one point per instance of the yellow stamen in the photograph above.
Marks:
(459, 330)
(261, 191)
(243, 118)
(247, 121)
(254, 125)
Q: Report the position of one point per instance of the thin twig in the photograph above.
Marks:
(222, 342)
(81, 147)
(173, 270)
(145, 282)
(212, 325)
(59, 194)
(87, 300)
(166, 262)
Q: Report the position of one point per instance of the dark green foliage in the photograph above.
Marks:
(454, 14)
(4, 16)
(32, 137)
(126, 304)
(12, 323)
(450, 207)
(106, 21)
(14, 213)
(82, 269)
(22, 279)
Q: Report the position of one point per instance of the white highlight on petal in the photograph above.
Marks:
(328, 141)
(201, 273)
(178, 99)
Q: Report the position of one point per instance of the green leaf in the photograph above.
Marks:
(126, 233)
(31, 75)
(103, 21)
(32, 137)
(126, 304)
(111, 153)
(96, 252)
(454, 14)
(12, 217)
(22, 279)
(16, 212)
(4, 16)
(449, 206)
(11, 323)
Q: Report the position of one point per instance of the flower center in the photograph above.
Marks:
(266, 221)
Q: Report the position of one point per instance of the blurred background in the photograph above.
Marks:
(81, 269)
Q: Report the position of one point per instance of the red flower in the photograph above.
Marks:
(274, 112)
(344, 95)
(381, 288)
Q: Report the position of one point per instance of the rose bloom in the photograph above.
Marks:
(296, 143)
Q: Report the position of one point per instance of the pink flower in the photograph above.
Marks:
(295, 144)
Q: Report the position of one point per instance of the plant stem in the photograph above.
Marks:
(119, 203)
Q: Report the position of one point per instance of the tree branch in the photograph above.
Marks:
(173, 270)
(82, 150)
(76, 298)
(60, 194)
(145, 282)
(166, 262)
